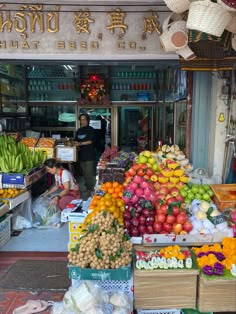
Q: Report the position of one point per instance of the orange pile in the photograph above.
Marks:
(9, 193)
(111, 201)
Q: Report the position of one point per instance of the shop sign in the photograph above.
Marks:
(77, 30)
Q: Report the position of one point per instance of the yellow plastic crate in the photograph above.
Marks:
(48, 151)
(75, 227)
(74, 237)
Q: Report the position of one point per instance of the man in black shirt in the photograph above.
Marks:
(85, 136)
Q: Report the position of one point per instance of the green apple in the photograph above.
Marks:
(206, 187)
(183, 193)
(198, 196)
(190, 195)
(194, 189)
(147, 153)
(142, 159)
(210, 192)
(206, 197)
(201, 190)
(155, 167)
(151, 160)
(187, 200)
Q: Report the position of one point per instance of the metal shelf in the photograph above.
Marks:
(51, 103)
(11, 76)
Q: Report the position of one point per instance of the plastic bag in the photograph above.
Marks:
(120, 310)
(120, 299)
(20, 223)
(45, 215)
(58, 308)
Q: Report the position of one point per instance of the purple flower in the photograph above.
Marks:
(218, 272)
(208, 270)
(201, 254)
(218, 266)
(219, 256)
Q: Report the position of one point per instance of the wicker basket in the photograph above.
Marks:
(206, 16)
(177, 6)
(231, 27)
(208, 46)
(228, 5)
(175, 34)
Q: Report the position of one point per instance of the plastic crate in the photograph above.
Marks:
(5, 230)
(163, 311)
(193, 311)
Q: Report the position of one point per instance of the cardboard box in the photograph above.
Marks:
(66, 153)
(74, 237)
(225, 195)
(74, 227)
(71, 246)
(122, 273)
(163, 289)
(216, 295)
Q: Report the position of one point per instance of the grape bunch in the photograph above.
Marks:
(110, 153)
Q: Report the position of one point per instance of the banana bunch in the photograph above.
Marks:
(16, 157)
(11, 163)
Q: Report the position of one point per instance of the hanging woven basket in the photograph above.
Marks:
(229, 5)
(206, 16)
(207, 46)
(177, 6)
(175, 33)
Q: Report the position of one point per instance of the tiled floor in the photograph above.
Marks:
(39, 240)
(9, 300)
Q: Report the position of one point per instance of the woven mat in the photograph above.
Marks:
(36, 275)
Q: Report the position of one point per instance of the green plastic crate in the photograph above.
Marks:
(122, 273)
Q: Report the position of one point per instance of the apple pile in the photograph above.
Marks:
(170, 214)
(192, 192)
(141, 170)
(148, 158)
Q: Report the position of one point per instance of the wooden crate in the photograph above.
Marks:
(216, 295)
(160, 289)
(225, 195)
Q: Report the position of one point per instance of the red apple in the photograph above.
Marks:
(141, 172)
(181, 218)
(175, 210)
(135, 167)
(180, 198)
(187, 226)
(143, 166)
(160, 197)
(167, 227)
(161, 218)
(177, 228)
(171, 200)
(157, 227)
(149, 172)
(157, 186)
(174, 191)
(170, 219)
(131, 172)
(164, 190)
(164, 208)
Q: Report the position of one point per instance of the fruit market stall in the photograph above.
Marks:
(167, 217)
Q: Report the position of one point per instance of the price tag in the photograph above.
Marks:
(100, 192)
(218, 219)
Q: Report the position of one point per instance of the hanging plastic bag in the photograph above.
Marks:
(45, 214)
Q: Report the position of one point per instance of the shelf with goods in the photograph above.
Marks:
(53, 116)
(54, 83)
(180, 123)
(13, 94)
(132, 83)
